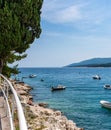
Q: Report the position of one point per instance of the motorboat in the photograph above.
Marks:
(97, 77)
(105, 104)
(59, 87)
(32, 76)
(107, 86)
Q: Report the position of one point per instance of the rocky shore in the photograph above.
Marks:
(38, 116)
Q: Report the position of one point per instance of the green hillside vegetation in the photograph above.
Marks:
(95, 62)
(94, 65)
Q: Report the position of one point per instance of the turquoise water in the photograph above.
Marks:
(80, 101)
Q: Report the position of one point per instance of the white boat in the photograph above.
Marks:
(97, 77)
(107, 86)
(105, 104)
(32, 76)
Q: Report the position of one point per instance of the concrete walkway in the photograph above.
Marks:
(4, 119)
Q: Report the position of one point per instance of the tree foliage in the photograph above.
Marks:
(19, 26)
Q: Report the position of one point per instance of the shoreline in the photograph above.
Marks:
(38, 116)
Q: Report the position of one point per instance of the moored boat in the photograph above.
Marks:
(32, 76)
(107, 86)
(42, 80)
(59, 87)
(105, 104)
(97, 77)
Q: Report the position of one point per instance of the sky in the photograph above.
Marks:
(72, 31)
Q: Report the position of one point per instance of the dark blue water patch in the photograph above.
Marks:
(80, 101)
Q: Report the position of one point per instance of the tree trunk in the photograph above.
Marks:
(1, 65)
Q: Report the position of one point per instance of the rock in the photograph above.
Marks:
(30, 102)
(30, 98)
(57, 113)
(43, 105)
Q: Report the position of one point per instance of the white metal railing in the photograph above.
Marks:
(22, 122)
(9, 111)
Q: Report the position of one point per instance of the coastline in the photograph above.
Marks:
(38, 116)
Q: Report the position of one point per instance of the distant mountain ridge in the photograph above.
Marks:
(94, 62)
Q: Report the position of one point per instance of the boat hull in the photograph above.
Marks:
(105, 104)
(58, 88)
(107, 86)
(32, 76)
(98, 78)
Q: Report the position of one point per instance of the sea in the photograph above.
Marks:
(80, 101)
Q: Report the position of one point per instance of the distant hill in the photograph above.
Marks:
(94, 62)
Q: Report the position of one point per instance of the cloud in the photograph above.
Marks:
(57, 13)
(69, 14)
(90, 12)
(79, 17)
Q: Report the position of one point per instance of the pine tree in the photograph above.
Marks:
(19, 26)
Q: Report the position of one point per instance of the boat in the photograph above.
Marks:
(97, 77)
(42, 80)
(105, 104)
(107, 86)
(59, 87)
(32, 76)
